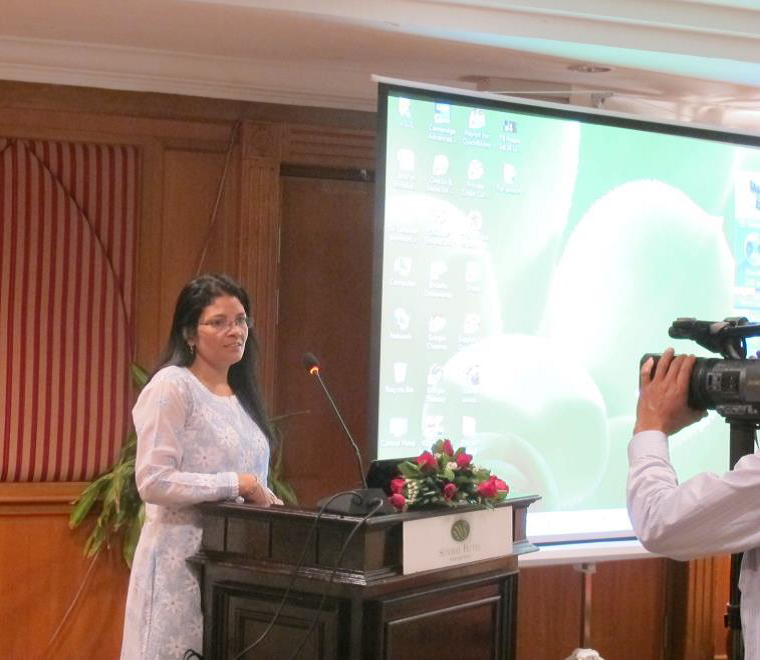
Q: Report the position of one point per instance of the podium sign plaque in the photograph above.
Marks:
(457, 538)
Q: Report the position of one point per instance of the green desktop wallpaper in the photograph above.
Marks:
(528, 262)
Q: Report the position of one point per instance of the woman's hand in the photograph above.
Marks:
(252, 491)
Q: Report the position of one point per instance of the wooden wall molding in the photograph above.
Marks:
(260, 140)
(86, 100)
(50, 124)
(328, 147)
(259, 231)
(312, 82)
(39, 498)
(691, 608)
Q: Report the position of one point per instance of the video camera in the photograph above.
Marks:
(730, 386)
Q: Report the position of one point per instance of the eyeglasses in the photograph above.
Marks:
(222, 325)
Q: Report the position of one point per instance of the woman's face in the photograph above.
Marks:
(221, 333)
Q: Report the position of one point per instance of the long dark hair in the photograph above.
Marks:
(195, 296)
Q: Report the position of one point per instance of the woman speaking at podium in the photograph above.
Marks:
(202, 436)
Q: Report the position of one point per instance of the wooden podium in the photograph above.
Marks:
(372, 611)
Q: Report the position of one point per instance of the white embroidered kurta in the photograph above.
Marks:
(191, 444)
(706, 515)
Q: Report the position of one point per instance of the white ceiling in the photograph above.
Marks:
(694, 60)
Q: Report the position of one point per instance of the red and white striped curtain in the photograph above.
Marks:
(67, 245)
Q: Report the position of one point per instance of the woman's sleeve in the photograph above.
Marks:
(708, 514)
(160, 415)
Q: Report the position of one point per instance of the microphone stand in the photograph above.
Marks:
(358, 502)
(343, 424)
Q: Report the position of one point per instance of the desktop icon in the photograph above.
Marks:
(509, 173)
(432, 426)
(475, 170)
(405, 158)
(438, 269)
(441, 113)
(401, 316)
(398, 426)
(440, 165)
(435, 375)
(436, 323)
(477, 119)
(402, 266)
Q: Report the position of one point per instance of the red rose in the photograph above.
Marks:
(398, 501)
(447, 448)
(397, 485)
(427, 460)
(464, 460)
(449, 490)
(488, 489)
(500, 485)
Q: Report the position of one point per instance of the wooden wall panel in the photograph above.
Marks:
(628, 609)
(41, 569)
(190, 188)
(720, 584)
(549, 614)
(325, 285)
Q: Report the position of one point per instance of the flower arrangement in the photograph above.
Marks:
(443, 476)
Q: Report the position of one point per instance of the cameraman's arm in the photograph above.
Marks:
(707, 514)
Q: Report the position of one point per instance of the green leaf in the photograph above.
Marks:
(95, 541)
(84, 503)
(283, 490)
(112, 498)
(278, 419)
(139, 376)
(132, 536)
(409, 470)
(82, 508)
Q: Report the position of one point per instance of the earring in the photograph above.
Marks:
(192, 349)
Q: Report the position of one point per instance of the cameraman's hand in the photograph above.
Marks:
(662, 398)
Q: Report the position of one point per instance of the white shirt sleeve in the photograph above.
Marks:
(706, 515)
(160, 415)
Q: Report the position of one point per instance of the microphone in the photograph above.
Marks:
(359, 501)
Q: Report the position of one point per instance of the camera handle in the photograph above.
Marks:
(727, 337)
(742, 442)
